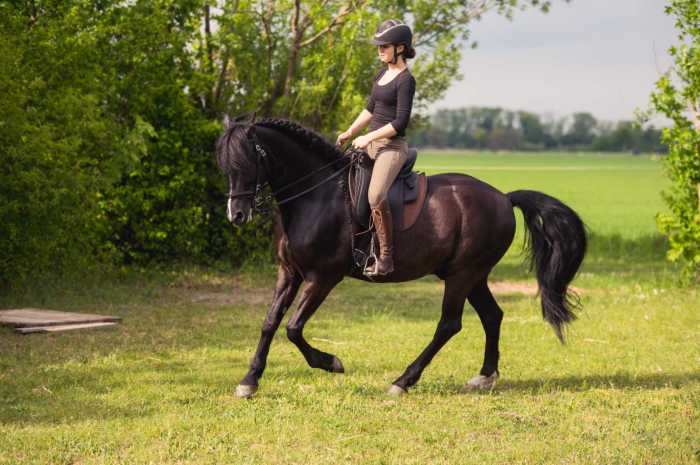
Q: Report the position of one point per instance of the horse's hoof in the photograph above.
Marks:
(337, 366)
(397, 391)
(245, 392)
(481, 382)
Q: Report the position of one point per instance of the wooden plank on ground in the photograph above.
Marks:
(26, 317)
(58, 328)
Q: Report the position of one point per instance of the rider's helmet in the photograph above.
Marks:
(395, 32)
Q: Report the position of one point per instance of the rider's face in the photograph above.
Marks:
(386, 52)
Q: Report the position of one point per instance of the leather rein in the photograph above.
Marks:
(261, 158)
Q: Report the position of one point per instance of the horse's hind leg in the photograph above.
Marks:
(491, 316)
(287, 286)
(313, 296)
(456, 289)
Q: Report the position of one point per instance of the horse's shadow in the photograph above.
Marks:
(618, 381)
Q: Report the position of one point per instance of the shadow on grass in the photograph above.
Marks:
(649, 382)
(134, 390)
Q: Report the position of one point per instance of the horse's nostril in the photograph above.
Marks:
(239, 218)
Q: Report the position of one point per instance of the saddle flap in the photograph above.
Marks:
(412, 210)
(406, 195)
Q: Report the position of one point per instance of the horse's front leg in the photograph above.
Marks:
(287, 286)
(315, 291)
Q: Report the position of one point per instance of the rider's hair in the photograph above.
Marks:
(409, 52)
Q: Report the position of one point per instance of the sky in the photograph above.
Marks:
(600, 56)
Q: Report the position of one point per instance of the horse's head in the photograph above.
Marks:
(240, 160)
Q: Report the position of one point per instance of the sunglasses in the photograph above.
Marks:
(383, 46)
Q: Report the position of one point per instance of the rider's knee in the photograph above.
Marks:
(375, 197)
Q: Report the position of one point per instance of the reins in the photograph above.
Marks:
(261, 155)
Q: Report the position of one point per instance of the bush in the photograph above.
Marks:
(680, 102)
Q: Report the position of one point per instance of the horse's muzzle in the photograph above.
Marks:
(238, 219)
(236, 215)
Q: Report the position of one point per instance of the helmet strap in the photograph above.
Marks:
(395, 57)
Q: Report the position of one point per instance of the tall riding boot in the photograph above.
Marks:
(381, 215)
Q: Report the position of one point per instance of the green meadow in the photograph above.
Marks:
(625, 389)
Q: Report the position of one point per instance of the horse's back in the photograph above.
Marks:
(481, 216)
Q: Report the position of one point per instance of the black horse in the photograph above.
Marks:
(464, 229)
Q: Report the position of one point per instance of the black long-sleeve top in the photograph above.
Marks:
(392, 102)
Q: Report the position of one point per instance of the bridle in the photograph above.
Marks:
(262, 157)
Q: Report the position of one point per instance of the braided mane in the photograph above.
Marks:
(304, 136)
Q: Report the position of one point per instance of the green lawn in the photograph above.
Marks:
(614, 194)
(625, 389)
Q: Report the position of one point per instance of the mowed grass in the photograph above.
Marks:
(616, 195)
(158, 389)
(613, 193)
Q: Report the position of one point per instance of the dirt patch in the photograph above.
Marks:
(219, 292)
(234, 296)
(515, 287)
(236, 291)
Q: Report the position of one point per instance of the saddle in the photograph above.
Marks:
(406, 195)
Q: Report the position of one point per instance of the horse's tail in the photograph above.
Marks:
(556, 244)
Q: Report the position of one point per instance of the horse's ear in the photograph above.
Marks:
(245, 118)
(227, 121)
(250, 131)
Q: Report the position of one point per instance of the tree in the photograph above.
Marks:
(677, 96)
(110, 111)
(581, 132)
(311, 60)
(533, 132)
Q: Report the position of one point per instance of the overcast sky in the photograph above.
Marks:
(600, 56)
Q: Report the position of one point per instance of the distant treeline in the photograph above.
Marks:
(488, 128)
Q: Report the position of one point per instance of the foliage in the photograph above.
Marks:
(677, 96)
(499, 129)
(111, 110)
(59, 147)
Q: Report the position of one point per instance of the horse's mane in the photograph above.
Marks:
(233, 141)
(303, 136)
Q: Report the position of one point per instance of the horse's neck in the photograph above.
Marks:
(289, 162)
(294, 163)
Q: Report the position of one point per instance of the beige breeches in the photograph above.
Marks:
(389, 156)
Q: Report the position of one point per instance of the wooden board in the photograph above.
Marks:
(28, 317)
(57, 328)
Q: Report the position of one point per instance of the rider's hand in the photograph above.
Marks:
(361, 142)
(343, 137)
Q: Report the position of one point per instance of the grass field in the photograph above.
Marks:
(624, 390)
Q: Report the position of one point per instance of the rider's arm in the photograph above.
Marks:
(386, 131)
(404, 104)
(360, 122)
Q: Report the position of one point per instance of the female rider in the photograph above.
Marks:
(388, 112)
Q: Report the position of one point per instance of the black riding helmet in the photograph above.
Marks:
(393, 32)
